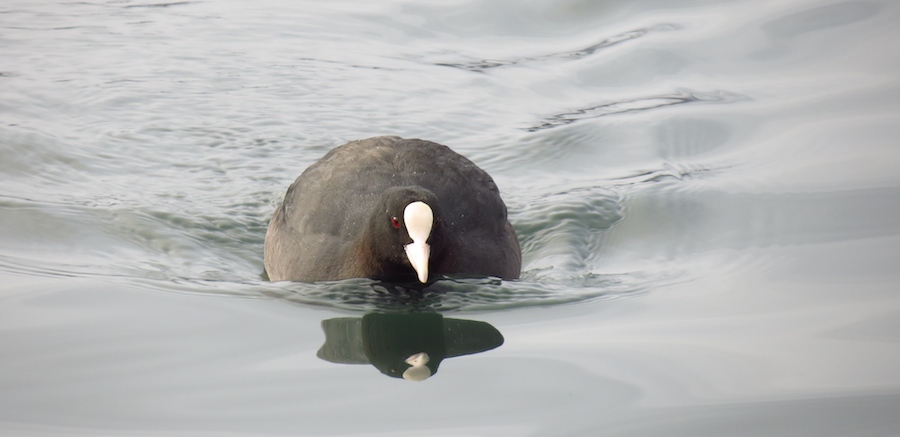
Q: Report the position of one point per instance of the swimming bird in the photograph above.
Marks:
(388, 207)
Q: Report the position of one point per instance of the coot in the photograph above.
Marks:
(388, 207)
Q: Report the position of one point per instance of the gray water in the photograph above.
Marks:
(706, 192)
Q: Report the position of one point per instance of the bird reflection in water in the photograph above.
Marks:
(404, 345)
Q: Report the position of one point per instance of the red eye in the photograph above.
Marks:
(394, 222)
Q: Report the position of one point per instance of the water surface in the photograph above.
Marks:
(706, 194)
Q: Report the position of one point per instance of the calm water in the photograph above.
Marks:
(707, 195)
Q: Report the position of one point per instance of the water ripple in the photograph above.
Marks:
(159, 5)
(486, 64)
(453, 294)
(679, 97)
(563, 232)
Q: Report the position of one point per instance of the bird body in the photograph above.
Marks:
(358, 212)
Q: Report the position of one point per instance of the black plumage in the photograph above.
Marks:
(344, 216)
